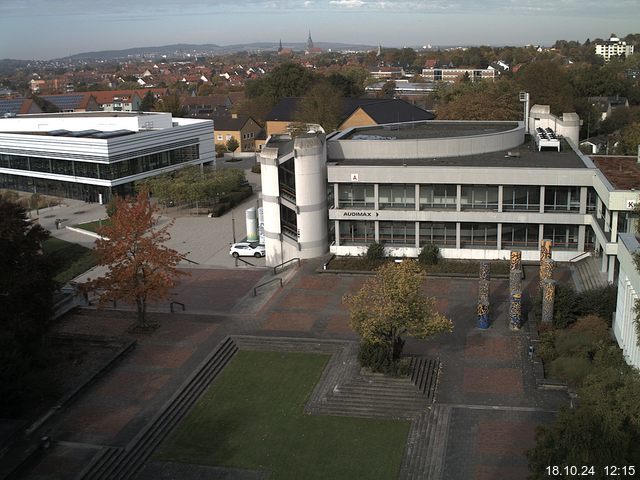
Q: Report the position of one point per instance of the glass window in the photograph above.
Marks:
(438, 196)
(19, 163)
(523, 235)
(355, 195)
(521, 198)
(398, 233)
(356, 233)
(564, 237)
(39, 164)
(86, 169)
(592, 200)
(479, 197)
(562, 199)
(478, 235)
(440, 234)
(396, 196)
(61, 167)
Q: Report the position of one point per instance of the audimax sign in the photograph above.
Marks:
(359, 214)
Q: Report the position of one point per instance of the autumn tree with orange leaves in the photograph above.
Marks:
(140, 268)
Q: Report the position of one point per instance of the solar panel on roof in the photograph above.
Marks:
(66, 102)
(59, 133)
(10, 106)
(112, 134)
(84, 133)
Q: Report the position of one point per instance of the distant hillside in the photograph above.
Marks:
(184, 49)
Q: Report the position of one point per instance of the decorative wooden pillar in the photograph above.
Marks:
(483, 295)
(548, 299)
(546, 270)
(515, 290)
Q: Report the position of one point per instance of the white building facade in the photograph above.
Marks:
(613, 47)
(624, 327)
(91, 156)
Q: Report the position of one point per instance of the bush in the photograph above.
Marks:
(256, 168)
(375, 252)
(234, 198)
(220, 150)
(429, 254)
(377, 357)
(220, 209)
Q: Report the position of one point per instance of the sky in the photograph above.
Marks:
(47, 29)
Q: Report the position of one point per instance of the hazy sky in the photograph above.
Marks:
(45, 29)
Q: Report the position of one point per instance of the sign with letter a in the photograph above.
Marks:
(354, 177)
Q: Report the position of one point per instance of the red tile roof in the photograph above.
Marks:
(622, 172)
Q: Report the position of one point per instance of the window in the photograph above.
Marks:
(396, 196)
(440, 234)
(564, 237)
(356, 233)
(562, 199)
(220, 136)
(398, 233)
(478, 235)
(592, 200)
(355, 195)
(438, 197)
(521, 198)
(523, 235)
(479, 197)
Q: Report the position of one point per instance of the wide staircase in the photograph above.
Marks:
(586, 274)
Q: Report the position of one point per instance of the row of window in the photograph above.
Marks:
(472, 235)
(473, 197)
(110, 171)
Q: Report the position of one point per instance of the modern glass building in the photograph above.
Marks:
(91, 156)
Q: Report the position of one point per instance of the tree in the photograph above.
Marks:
(140, 268)
(392, 305)
(323, 105)
(286, 80)
(232, 144)
(389, 89)
(548, 84)
(26, 298)
(630, 141)
(148, 102)
(172, 104)
(480, 101)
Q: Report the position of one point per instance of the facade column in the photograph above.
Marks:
(458, 243)
(541, 203)
(336, 196)
(458, 202)
(541, 232)
(417, 197)
(376, 204)
(336, 232)
(500, 197)
(581, 237)
(614, 226)
(583, 200)
(499, 237)
(417, 243)
(603, 263)
(376, 230)
(599, 206)
(612, 268)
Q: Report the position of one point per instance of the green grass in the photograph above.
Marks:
(71, 259)
(94, 226)
(252, 418)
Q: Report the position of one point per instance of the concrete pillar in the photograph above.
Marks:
(417, 234)
(614, 226)
(336, 196)
(582, 229)
(376, 231)
(376, 201)
(541, 231)
(583, 200)
(458, 243)
(499, 237)
(541, 202)
(336, 228)
(458, 198)
(612, 268)
(603, 262)
(417, 197)
(500, 196)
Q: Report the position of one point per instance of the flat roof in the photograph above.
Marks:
(524, 156)
(622, 172)
(428, 129)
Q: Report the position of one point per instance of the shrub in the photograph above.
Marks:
(377, 357)
(220, 209)
(429, 254)
(375, 252)
(256, 168)
(234, 198)
(220, 150)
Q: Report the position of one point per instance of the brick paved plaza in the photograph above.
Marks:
(486, 377)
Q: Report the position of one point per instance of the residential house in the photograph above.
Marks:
(207, 106)
(73, 102)
(241, 127)
(613, 47)
(119, 100)
(18, 106)
(453, 75)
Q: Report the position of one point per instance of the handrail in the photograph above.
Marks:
(176, 303)
(275, 269)
(255, 290)
(583, 254)
(184, 257)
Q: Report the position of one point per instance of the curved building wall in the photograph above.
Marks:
(453, 146)
(311, 195)
(270, 204)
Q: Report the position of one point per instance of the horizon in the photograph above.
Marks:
(40, 30)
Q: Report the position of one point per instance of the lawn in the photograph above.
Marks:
(252, 418)
(94, 226)
(71, 259)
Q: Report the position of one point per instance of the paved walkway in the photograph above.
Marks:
(486, 382)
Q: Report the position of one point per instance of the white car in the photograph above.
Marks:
(247, 249)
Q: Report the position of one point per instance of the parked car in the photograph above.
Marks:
(247, 249)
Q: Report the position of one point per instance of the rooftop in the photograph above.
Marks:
(622, 172)
(430, 129)
(524, 156)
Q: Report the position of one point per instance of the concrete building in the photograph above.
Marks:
(613, 47)
(89, 156)
(624, 327)
(475, 189)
